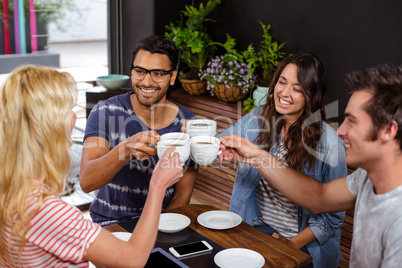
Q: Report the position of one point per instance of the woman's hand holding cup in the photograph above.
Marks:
(168, 171)
(182, 147)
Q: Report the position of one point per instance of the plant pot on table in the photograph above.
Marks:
(194, 86)
(229, 93)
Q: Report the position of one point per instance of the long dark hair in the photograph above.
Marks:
(306, 130)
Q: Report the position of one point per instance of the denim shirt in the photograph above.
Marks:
(330, 164)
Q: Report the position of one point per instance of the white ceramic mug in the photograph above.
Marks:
(204, 149)
(201, 127)
(175, 136)
(182, 147)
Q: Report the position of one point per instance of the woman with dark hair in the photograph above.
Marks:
(291, 126)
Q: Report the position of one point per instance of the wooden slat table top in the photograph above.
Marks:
(276, 253)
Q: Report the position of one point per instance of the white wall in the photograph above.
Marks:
(90, 25)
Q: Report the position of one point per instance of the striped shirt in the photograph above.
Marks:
(58, 237)
(276, 210)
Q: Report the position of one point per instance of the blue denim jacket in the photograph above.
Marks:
(330, 165)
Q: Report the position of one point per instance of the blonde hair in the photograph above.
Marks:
(34, 103)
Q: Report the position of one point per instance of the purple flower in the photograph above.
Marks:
(227, 73)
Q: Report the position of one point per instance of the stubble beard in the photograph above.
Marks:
(149, 101)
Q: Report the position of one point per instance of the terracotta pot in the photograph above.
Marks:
(229, 94)
(194, 87)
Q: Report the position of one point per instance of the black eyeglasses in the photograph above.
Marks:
(157, 75)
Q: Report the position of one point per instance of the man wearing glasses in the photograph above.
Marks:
(119, 152)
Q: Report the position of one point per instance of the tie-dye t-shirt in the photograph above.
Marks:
(124, 196)
(377, 224)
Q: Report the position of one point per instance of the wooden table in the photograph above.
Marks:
(276, 253)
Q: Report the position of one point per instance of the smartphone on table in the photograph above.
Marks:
(189, 249)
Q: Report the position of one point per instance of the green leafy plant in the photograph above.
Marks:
(267, 57)
(190, 36)
(248, 104)
(263, 61)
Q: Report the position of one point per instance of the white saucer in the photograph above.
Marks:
(239, 258)
(219, 219)
(173, 222)
(125, 236)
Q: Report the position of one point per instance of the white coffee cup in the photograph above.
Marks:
(201, 127)
(182, 147)
(175, 136)
(204, 149)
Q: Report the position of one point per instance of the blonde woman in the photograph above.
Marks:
(38, 229)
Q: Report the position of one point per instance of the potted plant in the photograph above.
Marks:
(229, 77)
(264, 61)
(195, 45)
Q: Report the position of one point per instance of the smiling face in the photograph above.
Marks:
(355, 131)
(147, 91)
(288, 94)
